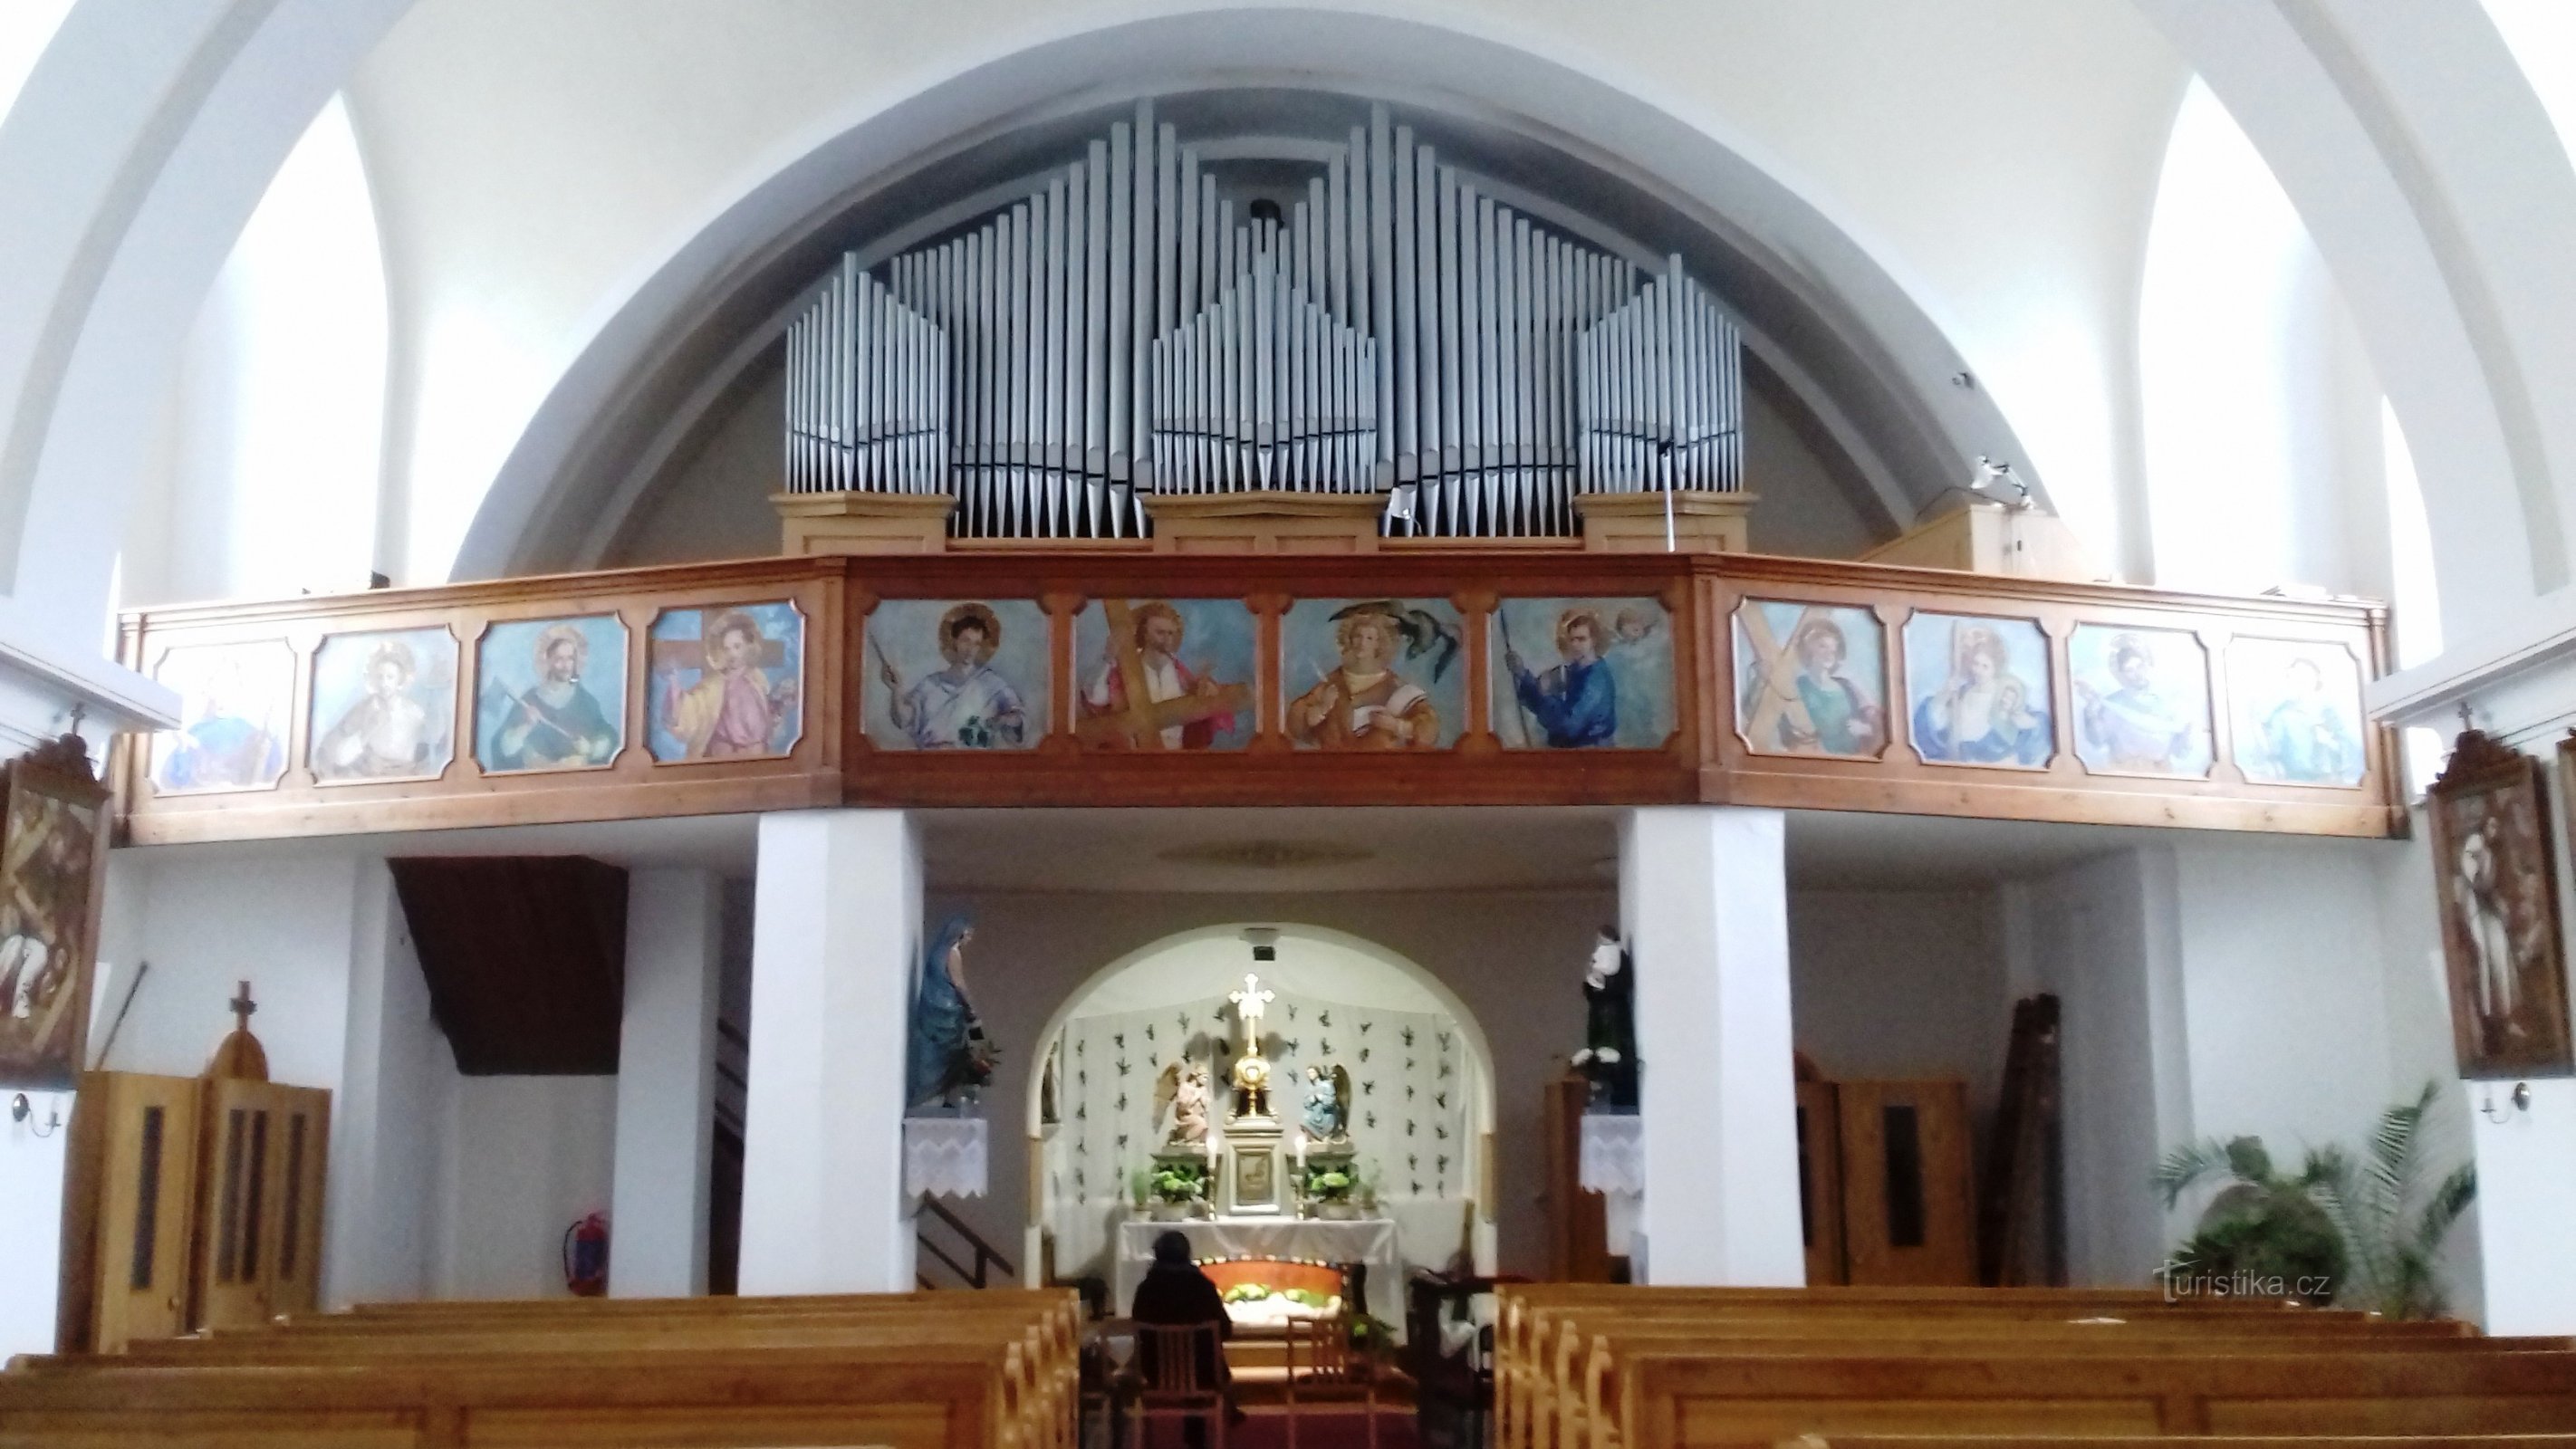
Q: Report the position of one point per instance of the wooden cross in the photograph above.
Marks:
(242, 1007)
(1778, 669)
(1141, 723)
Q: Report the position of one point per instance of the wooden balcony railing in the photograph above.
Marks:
(1059, 679)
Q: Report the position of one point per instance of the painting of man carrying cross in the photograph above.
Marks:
(1165, 674)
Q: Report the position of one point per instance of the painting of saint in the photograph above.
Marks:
(384, 706)
(2495, 884)
(50, 855)
(1979, 691)
(2297, 710)
(1813, 679)
(1389, 674)
(233, 700)
(1165, 674)
(727, 682)
(550, 694)
(1610, 684)
(2141, 701)
(958, 674)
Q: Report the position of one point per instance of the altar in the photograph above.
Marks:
(1367, 1241)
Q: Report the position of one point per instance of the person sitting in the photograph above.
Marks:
(1176, 1294)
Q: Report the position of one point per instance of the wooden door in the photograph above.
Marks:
(259, 1195)
(1820, 1182)
(1905, 1169)
(1578, 1224)
(130, 1188)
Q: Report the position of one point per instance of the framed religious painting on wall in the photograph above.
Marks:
(2141, 700)
(727, 682)
(550, 694)
(53, 863)
(1813, 679)
(1165, 674)
(1583, 673)
(2298, 712)
(1373, 674)
(384, 706)
(957, 674)
(1977, 691)
(2494, 883)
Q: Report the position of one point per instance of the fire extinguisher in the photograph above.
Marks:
(585, 1256)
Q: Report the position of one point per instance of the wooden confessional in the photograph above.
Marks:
(190, 1202)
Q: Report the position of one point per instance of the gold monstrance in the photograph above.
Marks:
(1252, 1135)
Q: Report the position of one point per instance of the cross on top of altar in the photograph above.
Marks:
(1249, 1003)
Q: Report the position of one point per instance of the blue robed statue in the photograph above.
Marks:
(949, 1058)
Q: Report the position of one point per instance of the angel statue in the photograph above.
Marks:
(1182, 1090)
(1609, 1055)
(949, 1058)
(1327, 1112)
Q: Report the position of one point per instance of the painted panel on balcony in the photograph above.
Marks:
(1583, 673)
(727, 682)
(384, 706)
(2298, 712)
(2141, 701)
(1813, 679)
(952, 674)
(550, 694)
(1165, 674)
(234, 703)
(1977, 691)
(1373, 674)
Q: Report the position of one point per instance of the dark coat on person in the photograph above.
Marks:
(1181, 1296)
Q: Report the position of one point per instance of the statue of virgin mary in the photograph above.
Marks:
(949, 1058)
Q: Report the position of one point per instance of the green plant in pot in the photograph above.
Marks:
(1176, 1188)
(2359, 1230)
(1332, 1189)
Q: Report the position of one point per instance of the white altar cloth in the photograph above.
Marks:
(1306, 1240)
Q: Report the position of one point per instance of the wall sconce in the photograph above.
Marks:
(20, 1109)
(2520, 1097)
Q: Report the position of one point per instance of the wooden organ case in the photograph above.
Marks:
(191, 1202)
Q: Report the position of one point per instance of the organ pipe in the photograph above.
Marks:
(1126, 330)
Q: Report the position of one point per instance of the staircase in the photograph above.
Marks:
(969, 1261)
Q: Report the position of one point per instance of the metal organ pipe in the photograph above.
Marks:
(1124, 331)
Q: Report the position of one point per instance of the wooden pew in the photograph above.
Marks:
(947, 1370)
(2213, 1441)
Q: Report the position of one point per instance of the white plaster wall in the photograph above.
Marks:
(31, 1201)
(389, 1117)
(521, 1159)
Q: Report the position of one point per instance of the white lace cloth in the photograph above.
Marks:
(945, 1155)
(1614, 1153)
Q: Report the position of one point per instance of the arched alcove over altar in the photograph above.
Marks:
(1420, 1072)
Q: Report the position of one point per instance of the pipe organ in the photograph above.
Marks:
(1125, 331)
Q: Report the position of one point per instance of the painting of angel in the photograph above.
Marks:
(2141, 700)
(1813, 679)
(2297, 711)
(957, 674)
(1979, 691)
(727, 682)
(384, 706)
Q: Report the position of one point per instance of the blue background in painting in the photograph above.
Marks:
(2258, 672)
(1864, 663)
(2180, 676)
(779, 623)
(340, 680)
(1643, 669)
(505, 667)
(1218, 640)
(261, 688)
(1307, 654)
(906, 631)
(1929, 644)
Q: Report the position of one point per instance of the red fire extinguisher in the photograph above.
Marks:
(585, 1256)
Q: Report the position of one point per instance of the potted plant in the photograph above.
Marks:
(1331, 1190)
(2355, 1230)
(1175, 1190)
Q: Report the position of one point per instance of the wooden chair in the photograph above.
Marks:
(1180, 1375)
(1322, 1369)
(1109, 1379)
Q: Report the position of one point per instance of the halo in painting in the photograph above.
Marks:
(1812, 679)
(957, 674)
(2296, 707)
(727, 682)
(233, 712)
(1373, 674)
(550, 694)
(1164, 674)
(1583, 673)
(2141, 700)
(384, 706)
(1977, 691)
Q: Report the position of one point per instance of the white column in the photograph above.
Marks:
(666, 1085)
(836, 925)
(1703, 899)
(2526, 1189)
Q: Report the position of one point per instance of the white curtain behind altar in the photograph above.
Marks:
(1412, 1080)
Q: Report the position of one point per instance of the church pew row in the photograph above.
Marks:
(1635, 1368)
(1539, 1334)
(1558, 1397)
(952, 1372)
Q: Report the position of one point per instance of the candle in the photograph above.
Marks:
(1301, 1152)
